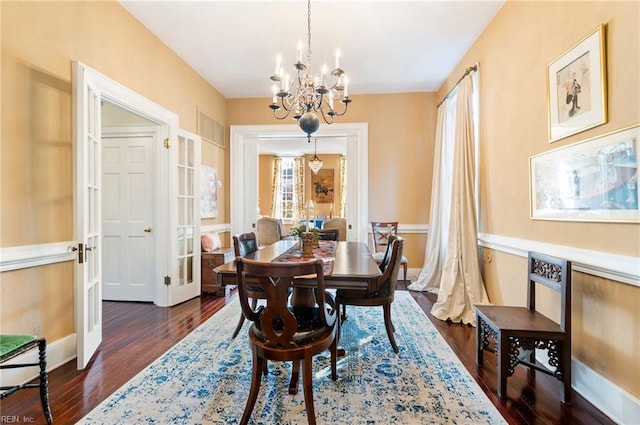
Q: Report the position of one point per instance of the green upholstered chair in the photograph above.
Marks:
(12, 346)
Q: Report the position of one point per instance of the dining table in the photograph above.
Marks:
(352, 266)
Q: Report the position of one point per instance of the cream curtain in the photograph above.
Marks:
(460, 285)
(429, 277)
(276, 188)
(342, 207)
(298, 188)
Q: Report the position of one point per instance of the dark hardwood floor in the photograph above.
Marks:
(134, 334)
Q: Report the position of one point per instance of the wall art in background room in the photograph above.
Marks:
(593, 180)
(576, 87)
(208, 192)
(322, 186)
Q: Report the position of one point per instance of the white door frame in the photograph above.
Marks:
(243, 172)
(115, 93)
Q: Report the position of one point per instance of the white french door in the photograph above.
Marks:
(184, 282)
(176, 198)
(87, 194)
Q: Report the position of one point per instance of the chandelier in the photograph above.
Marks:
(315, 163)
(306, 95)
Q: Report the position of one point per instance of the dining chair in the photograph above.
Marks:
(270, 230)
(281, 332)
(517, 332)
(383, 293)
(12, 346)
(380, 231)
(328, 234)
(337, 223)
(243, 244)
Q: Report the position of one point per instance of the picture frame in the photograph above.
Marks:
(577, 87)
(593, 180)
(209, 185)
(322, 186)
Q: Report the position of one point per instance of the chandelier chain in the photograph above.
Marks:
(306, 96)
(309, 34)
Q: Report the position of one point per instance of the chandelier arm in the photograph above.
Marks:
(324, 117)
(346, 106)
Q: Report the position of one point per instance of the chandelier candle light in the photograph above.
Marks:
(307, 95)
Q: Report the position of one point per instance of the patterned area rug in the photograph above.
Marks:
(205, 379)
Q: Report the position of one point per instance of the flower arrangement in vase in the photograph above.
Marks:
(298, 230)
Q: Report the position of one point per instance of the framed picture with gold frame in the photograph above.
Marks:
(322, 186)
(592, 180)
(577, 87)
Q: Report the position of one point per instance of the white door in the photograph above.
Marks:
(127, 214)
(87, 195)
(183, 280)
(250, 187)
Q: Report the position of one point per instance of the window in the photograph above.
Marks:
(287, 192)
(288, 187)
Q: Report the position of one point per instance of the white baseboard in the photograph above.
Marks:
(610, 399)
(58, 353)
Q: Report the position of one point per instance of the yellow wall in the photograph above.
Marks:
(513, 53)
(39, 42)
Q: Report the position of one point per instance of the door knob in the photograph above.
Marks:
(147, 229)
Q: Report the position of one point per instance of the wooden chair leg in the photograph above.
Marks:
(389, 326)
(254, 303)
(334, 359)
(404, 266)
(256, 379)
(295, 374)
(44, 380)
(307, 385)
(238, 326)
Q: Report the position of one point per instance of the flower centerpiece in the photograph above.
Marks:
(298, 230)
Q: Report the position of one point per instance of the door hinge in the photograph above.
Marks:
(80, 253)
(167, 143)
(167, 280)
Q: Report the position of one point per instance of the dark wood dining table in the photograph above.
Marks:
(353, 266)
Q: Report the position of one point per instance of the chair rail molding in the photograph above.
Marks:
(220, 228)
(20, 257)
(620, 268)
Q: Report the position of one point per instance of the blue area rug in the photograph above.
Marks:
(205, 379)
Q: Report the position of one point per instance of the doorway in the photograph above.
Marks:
(244, 140)
(175, 204)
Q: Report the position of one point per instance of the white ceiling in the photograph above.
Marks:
(387, 46)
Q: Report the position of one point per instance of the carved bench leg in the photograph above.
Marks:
(480, 341)
(565, 349)
(502, 351)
